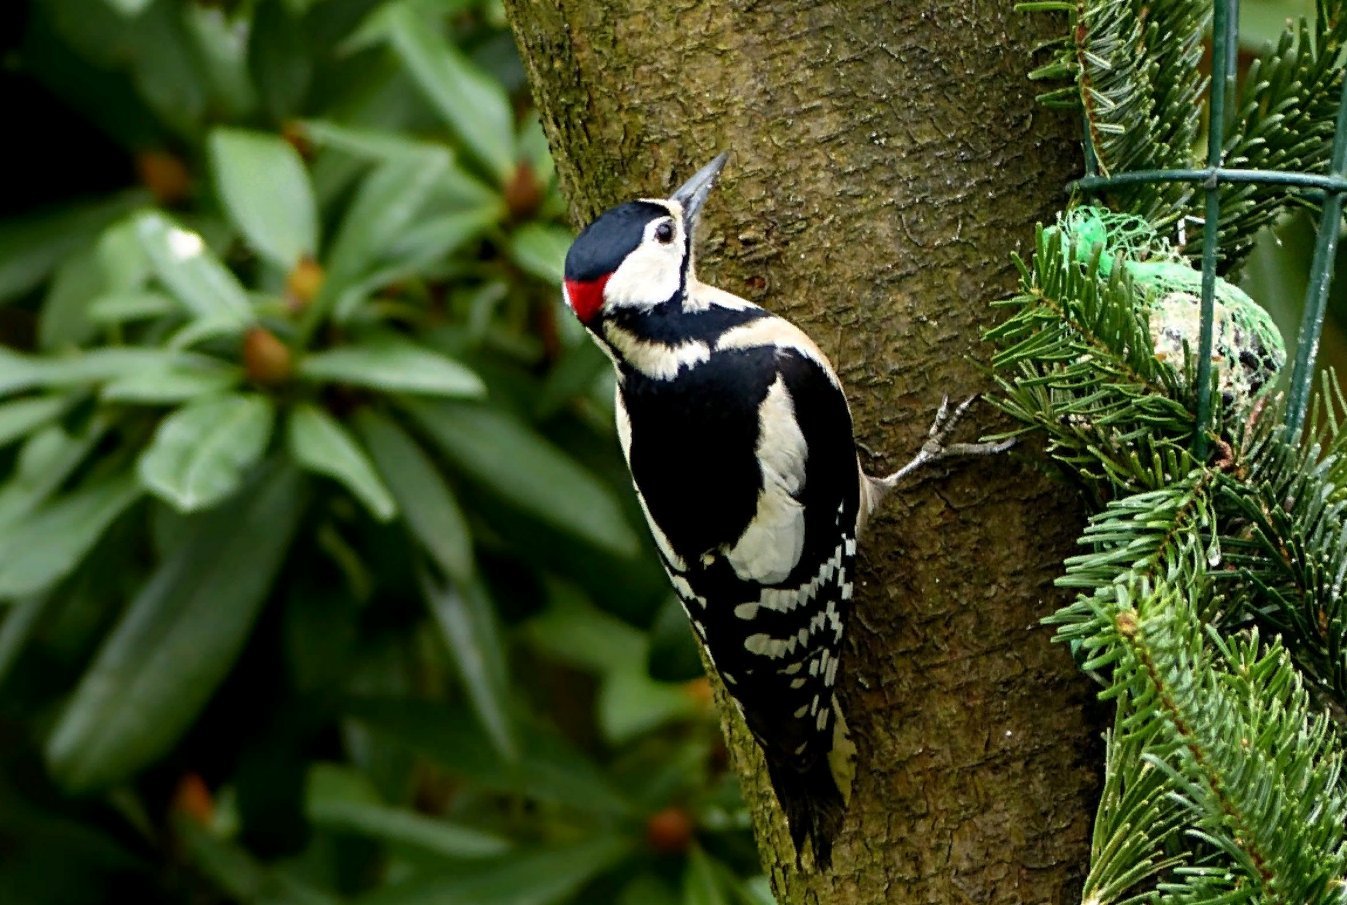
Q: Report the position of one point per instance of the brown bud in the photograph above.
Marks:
(193, 799)
(523, 193)
(1126, 623)
(266, 359)
(303, 283)
(669, 831)
(699, 690)
(293, 133)
(165, 175)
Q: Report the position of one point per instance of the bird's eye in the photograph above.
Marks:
(664, 232)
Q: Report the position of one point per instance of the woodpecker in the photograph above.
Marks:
(739, 440)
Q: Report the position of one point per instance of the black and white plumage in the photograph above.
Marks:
(739, 441)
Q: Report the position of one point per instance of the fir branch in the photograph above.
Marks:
(1254, 773)
(1136, 824)
(1288, 539)
(1328, 418)
(1075, 360)
(1258, 773)
(1141, 540)
(1138, 85)
(1286, 113)
(1135, 69)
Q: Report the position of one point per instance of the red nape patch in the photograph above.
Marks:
(586, 297)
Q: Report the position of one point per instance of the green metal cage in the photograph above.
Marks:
(1331, 187)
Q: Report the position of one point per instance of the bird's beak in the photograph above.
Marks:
(692, 194)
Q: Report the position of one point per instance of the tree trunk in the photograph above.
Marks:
(886, 159)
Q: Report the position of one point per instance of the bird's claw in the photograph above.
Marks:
(936, 449)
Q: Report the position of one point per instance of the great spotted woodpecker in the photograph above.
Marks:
(739, 441)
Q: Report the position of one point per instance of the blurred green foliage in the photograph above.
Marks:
(320, 580)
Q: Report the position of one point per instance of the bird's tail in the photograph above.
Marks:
(814, 799)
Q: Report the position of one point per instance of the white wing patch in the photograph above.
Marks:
(770, 547)
(778, 332)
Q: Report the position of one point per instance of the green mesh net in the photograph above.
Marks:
(1247, 348)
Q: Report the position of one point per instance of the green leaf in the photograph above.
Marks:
(647, 888)
(540, 249)
(245, 879)
(384, 207)
(574, 631)
(221, 50)
(423, 247)
(757, 891)
(575, 374)
(467, 621)
(701, 885)
(502, 453)
(204, 329)
(368, 144)
(533, 878)
(548, 769)
(177, 639)
(673, 647)
(473, 104)
(43, 548)
(24, 372)
(131, 305)
(169, 71)
(17, 627)
(319, 443)
(279, 58)
(32, 245)
(124, 262)
(427, 504)
(340, 798)
(394, 364)
(20, 417)
(630, 702)
(266, 191)
(191, 272)
(199, 453)
(171, 385)
(128, 8)
(65, 310)
(45, 461)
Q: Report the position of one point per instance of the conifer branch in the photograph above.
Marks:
(1223, 778)
(1136, 81)
(1076, 361)
(1288, 538)
(1138, 85)
(1286, 112)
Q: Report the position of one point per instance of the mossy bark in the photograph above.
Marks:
(886, 160)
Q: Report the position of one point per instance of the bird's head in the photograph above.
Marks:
(639, 254)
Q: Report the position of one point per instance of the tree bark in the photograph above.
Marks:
(886, 160)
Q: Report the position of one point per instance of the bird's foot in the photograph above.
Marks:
(935, 449)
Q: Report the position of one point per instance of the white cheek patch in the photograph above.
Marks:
(648, 276)
(769, 549)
